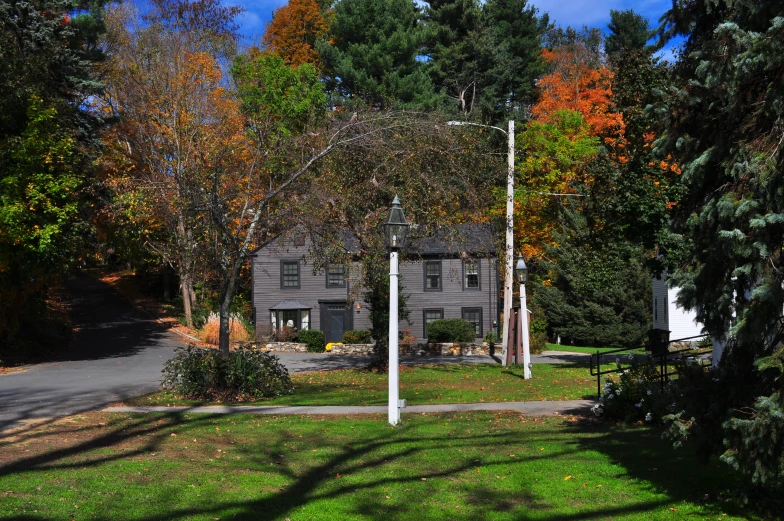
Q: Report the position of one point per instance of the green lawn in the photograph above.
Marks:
(588, 350)
(467, 383)
(457, 467)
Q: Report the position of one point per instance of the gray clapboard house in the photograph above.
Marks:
(451, 275)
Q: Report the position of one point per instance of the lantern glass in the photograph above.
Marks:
(396, 226)
(521, 271)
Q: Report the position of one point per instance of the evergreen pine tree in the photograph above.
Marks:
(459, 52)
(516, 33)
(372, 54)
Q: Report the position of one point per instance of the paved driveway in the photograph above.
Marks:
(118, 353)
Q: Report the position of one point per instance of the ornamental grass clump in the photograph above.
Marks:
(245, 375)
(210, 333)
(634, 395)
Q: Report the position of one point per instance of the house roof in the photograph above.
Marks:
(471, 238)
(289, 304)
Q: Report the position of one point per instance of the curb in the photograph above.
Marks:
(542, 408)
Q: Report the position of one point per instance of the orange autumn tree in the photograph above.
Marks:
(579, 81)
(573, 114)
(177, 130)
(293, 32)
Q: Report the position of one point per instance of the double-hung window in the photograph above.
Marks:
(431, 315)
(471, 274)
(289, 274)
(474, 316)
(336, 276)
(432, 275)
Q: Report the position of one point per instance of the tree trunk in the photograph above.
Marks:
(184, 243)
(225, 316)
(228, 290)
(186, 297)
(191, 292)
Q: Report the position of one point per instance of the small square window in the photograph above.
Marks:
(431, 315)
(336, 276)
(471, 274)
(289, 274)
(432, 275)
(474, 316)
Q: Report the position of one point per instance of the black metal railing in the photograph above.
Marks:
(660, 354)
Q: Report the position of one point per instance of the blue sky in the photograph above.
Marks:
(576, 13)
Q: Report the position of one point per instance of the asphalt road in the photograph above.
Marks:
(118, 353)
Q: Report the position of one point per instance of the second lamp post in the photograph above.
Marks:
(395, 229)
(521, 273)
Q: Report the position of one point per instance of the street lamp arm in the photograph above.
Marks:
(462, 123)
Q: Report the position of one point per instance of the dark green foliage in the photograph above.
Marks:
(244, 375)
(48, 51)
(450, 330)
(754, 436)
(599, 294)
(632, 191)
(314, 338)
(704, 398)
(459, 52)
(537, 328)
(755, 444)
(629, 32)
(724, 126)
(515, 33)
(359, 336)
(372, 54)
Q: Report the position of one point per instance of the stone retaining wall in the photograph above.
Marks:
(422, 349)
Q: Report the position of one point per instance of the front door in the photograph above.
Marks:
(335, 323)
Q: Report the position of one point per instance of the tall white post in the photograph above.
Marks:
(509, 240)
(394, 406)
(526, 345)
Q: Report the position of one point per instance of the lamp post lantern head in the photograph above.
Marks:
(396, 226)
(521, 271)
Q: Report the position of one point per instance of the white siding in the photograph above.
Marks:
(683, 324)
(669, 316)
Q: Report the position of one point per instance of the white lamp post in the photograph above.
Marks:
(396, 229)
(509, 226)
(521, 274)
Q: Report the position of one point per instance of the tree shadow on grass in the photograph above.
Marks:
(353, 472)
(646, 456)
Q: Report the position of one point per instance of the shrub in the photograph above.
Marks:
(450, 330)
(210, 333)
(244, 375)
(313, 338)
(537, 328)
(634, 395)
(359, 336)
(285, 334)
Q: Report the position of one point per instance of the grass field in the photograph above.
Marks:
(421, 385)
(587, 350)
(457, 467)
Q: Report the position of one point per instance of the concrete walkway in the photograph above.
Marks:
(542, 408)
